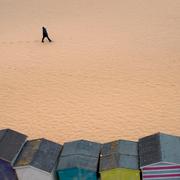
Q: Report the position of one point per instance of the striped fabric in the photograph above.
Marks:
(163, 171)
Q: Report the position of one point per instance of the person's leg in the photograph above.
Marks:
(49, 39)
(43, 39)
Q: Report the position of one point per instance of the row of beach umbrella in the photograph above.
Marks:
(153, 157)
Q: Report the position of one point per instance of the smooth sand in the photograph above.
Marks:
(113, 70)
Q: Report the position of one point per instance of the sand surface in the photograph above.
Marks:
(113, 70)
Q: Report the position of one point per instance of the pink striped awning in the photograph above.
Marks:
(164, 171)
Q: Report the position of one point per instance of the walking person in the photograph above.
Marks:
(45, 35)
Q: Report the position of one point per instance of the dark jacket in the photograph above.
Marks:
(45, 33)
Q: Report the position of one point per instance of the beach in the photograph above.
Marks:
(111, 72)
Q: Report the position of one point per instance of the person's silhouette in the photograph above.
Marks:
(45, 35)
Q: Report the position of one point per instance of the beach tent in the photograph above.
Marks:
(37, 160)
(119, 160)
(11, 143)
(160, 157)
(79, 161)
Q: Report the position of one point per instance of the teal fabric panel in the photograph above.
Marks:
(76, 174)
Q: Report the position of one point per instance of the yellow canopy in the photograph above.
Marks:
(120, 174)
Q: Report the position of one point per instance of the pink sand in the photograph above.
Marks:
(113, 71)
